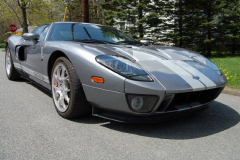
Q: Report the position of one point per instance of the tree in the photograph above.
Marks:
(75, 11)
(23, 4)
(9, 13)
(31, 12)
(143, 15)
(229, 25)
(42, 12)
(197, 24)
(98, 10)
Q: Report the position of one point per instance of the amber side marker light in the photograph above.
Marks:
(97, 79)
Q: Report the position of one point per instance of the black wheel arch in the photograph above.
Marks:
(6, 45)
(54, 56)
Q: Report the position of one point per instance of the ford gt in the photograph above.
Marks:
(93, 68)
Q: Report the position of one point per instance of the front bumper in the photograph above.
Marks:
(159, 117)
(113, 105)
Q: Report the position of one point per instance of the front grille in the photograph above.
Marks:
(203, 97)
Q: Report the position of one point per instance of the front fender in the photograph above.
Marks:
(83, 59)
(12, 43)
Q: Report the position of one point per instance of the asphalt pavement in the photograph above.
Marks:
(30, 128)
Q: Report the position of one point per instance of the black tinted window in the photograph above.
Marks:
(44, 33)
(61, 32)
(78, 31)
(39, 29)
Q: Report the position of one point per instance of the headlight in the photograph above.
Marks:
(124, 67)
(207, 62)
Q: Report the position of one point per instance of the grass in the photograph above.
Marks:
(230, 67)
(2, 45)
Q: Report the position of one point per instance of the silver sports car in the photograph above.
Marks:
(91, 67)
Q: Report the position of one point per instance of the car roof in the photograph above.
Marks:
(82, 23)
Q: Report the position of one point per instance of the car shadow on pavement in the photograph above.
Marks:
(217, 118)
(35, 85)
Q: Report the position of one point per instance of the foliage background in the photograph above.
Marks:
(211, 27)
(207, 26)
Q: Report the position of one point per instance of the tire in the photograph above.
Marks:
(11, 72)
(67, 92)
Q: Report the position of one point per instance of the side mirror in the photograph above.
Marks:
(146, 42)
(30, 36)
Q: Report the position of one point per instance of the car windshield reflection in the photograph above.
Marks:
(89, 33)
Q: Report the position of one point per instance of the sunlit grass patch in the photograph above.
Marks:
(230, 67)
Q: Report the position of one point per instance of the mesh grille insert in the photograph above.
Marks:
(202, 97)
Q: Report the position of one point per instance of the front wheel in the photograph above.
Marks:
(11, 72)
(67, 92)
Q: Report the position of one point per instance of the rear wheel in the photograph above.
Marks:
(67, 92)
(11, 72)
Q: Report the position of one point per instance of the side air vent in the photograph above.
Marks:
(20, 53)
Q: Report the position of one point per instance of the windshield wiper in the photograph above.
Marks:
(91, 41)
(129, 42)
(102, 41)
(87, 32)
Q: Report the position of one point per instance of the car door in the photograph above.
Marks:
(32, 65)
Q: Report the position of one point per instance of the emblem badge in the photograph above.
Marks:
(196, 77)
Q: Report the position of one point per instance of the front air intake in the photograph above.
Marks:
(203, 97)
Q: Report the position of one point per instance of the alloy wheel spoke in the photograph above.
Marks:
(57, 79)
(59, 102)
(56, 88)
(58, 74)
(66, 87)
(62, 101)
(64, 78)
(67, 99)
(63, 72)
(67, 90)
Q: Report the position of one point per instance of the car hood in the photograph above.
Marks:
(173, 67)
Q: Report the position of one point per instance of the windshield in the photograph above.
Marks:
(89, 33)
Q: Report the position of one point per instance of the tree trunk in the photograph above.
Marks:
(25, 25)
(180, 24)
(233, 48)
(209, 31)
(140, 16)
(85, 11)
(209, 45)
(99, 10)
(69, 10)
(233, 42)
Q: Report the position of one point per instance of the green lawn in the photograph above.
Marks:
(230, 66)
(2, 45)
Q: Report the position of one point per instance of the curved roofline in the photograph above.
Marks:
(83, 23)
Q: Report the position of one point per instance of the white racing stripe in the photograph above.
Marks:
(141, 56)
(164, 53)
(204, 79)
(194, 83)
(35, 74)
